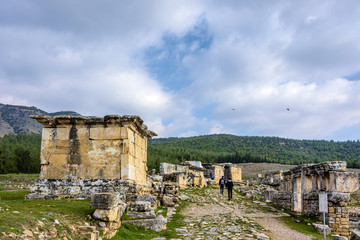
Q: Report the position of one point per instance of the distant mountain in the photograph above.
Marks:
(16, 119)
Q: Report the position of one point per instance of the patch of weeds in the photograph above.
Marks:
(124, 217)
(303, 226)
(28, 212)
(13, 195)
(164, 210)
(130, 232)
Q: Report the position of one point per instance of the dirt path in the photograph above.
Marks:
(211, 216)
(279, 230)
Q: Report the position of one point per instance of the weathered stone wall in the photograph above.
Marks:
(92, 148)
(190, 173)
(236, 173)
(168, 168)
(300, 187)
(219, 172)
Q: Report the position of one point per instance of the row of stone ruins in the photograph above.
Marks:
(105, 159)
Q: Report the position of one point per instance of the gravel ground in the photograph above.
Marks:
(211, 216)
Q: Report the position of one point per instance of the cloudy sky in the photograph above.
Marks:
(257, 68)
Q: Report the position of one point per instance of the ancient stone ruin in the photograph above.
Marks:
(228, 170)
(84, 155)
(197, 174)
(188, 174)
(104, 159)
(300, 187)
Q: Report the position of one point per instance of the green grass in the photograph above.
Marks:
(129, 231)
(164, 212)
(16, 211)
(11, 181)
(303, 227)
(19, 175)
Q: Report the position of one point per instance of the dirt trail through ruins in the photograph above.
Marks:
(211, 216)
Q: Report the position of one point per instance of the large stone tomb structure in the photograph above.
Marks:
(85, 155)
(300, 187)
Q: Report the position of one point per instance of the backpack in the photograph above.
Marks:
(222, 181)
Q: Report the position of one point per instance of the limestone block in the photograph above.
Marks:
(147, 198)
(109, 215)
(344, 182)
(157, 224)
(168, 201)
(138, 152)
(131, 136)
(57, 171)
(141, 215)
(337, 197)
(109, 132)
(320, 228)
(101, 171)
(105, 200)
(143, 155)
(61, 133)
(127, 170)
(140, 206)
(140, 141)
(128, 147)
(124, 133)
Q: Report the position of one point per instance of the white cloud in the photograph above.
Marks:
(264, 57)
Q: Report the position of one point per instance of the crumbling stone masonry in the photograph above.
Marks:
(228, 170)
(300, 187)
(190, 173)
(85, 155)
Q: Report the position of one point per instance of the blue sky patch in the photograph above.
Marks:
(165, 63)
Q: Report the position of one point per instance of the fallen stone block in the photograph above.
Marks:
(147, 198)
(109, 215)
(168, 201)
(140, 206)
(105, 200)
(157, 224)
(320, 228)
(184, 197)
(141, 215)
(338, 237)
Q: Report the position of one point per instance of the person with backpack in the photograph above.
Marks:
(229, 186)
(222, 185)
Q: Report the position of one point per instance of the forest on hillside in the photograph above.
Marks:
(21, 153)
(231, 148)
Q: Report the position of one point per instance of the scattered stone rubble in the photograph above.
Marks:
(105, 159)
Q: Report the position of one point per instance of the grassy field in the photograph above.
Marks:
(41, 216)
(18, 214)
(17, 181)
(250, 170)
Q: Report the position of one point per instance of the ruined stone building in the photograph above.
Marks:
(84, 155)
(300, 187)
(190, 173)
(228, 170)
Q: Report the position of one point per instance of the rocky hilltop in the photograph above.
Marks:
(16, 119)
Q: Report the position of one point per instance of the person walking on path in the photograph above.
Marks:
(229, 186)
(222, 185)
